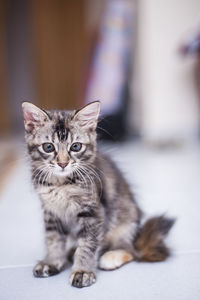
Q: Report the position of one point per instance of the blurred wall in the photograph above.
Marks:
(164, 83)
(43, 54)
(18, 60)
(60, 47)
(4, 111)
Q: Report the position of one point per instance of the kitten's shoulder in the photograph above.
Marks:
(105, 162)
(103, 158)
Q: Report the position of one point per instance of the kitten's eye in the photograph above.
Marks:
(48, 147)
(76, 147)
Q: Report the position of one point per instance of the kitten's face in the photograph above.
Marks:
(61, 143)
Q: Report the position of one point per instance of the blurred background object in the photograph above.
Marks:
(191, 48)
(166, 92)
(110, 68)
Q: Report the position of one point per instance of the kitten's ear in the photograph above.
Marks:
(88, 115)
(33, 116)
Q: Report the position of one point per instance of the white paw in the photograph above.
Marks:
(114, 259)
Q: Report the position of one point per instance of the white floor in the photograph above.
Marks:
(163, 181)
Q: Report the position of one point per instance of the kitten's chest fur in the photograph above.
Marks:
(64, 201)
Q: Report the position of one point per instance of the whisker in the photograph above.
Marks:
(82, 177)
(106, 132)
(94, 173)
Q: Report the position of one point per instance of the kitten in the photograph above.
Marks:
(85, 197)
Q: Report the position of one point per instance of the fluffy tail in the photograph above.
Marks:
(149, 243)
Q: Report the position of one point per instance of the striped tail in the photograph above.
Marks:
(149, 243)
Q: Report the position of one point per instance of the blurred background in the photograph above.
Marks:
(130, 55)
(141, 59)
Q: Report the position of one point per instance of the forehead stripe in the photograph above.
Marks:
(61, 130)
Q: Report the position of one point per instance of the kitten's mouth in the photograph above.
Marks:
(63, 172)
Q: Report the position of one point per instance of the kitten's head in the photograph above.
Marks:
(61, 143)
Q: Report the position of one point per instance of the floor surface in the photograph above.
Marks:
(165, 181)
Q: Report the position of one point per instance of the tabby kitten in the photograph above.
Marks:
(85, 198)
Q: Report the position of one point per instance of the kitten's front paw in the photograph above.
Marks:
(43, 269)
(82, 279)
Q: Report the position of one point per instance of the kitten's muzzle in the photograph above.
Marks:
(63, 164)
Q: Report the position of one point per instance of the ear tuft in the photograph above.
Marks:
(33, 116)
(88, 115)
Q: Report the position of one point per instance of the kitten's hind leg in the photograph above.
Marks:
(119, 244)
(114, 259)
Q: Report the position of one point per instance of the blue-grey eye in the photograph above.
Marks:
(48, 147)
(76, 147)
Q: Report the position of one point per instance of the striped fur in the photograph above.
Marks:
(88, 200)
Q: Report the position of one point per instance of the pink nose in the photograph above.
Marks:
(63, 165)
